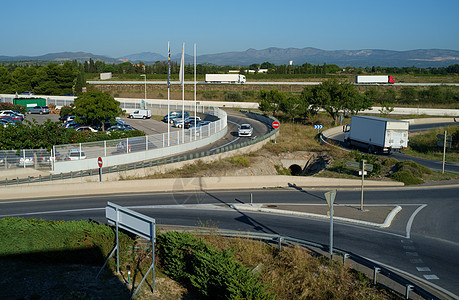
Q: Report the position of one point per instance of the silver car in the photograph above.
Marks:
(39, 110)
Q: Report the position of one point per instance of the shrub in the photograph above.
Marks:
(66, 110)
(233, 96)
(421, 169)
(240, 161)
(206, 271)
(406, 177)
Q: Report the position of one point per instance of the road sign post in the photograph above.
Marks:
(275, 125)
(444, 141)
(363, 176)
(318, 127)
(99, 163)
(330, 197)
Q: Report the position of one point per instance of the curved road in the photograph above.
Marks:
(423, 239)
(434, 165)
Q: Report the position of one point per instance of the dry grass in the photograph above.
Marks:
(297, 273)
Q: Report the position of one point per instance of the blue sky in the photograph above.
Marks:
(116, 28)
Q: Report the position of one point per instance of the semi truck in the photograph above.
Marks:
(225, 78)
(376, 134)
(374, 79)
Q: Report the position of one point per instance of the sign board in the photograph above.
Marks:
(276, 124)
(441, 143)
(130, 220)
(365, 172)
(318, 126)
(442, 137)
(99, 162)
(368, 167)
(330, 197)
(358, 165)
(136, 223)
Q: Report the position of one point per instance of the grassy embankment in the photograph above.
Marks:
(424, 144)
(60, 261)
(295, 137)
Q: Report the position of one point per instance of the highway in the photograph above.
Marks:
(305, 83)
(422, 237)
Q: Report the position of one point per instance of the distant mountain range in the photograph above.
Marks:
(357, 58)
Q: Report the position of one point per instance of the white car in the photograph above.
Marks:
(245, 130)
(178, 122)
(75, 154)
(140, 114)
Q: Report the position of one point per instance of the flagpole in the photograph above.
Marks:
(168, 92)
(195, 108)
(183, 93)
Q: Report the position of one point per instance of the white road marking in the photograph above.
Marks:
(410, 221)
(416, 261)
(431, 277)
(423, 269)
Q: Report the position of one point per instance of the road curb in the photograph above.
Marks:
(387, 222)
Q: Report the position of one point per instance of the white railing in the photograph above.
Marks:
(128, 150)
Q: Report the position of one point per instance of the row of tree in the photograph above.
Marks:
(331, 96)
(52, 79)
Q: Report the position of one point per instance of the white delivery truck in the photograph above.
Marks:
(140, 114)
(225, 78)
(376, 134)
(374, 79)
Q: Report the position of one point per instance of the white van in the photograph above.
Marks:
(141, 114)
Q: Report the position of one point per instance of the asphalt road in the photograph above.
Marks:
(423, 236)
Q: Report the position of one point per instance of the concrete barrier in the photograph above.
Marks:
(66, 188)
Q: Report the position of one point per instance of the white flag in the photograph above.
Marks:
(182, 67)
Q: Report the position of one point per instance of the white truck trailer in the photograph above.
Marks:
(376, 134)
(225, 78)
(374, 79)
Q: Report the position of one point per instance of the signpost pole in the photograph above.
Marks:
(330, 198)
(444, 155)
(363, 176)
(99, 163)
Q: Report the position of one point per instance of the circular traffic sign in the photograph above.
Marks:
(99, 161)
(276, 124)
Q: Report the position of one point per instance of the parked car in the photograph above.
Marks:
(12, 113)
(120, 127)
(28, 160)
(39, 110)
(13, 116)
(140, 114)
(179, 122)
(85, 128)
(245, 130)
(27, 93)
(44, 158)
(173, 115)
(9, 119)
(75, 154)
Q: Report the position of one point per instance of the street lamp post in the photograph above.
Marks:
(145, 101)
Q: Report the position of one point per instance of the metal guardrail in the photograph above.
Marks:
(280, 240)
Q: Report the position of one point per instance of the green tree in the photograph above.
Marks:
(96, 108)
(270, 100)
(335, 97)
(5, 81)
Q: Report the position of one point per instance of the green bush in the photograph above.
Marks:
(370, 158)
(421, 169)
(233, 96)
(406, 177)
(240, 161)
(206, 271)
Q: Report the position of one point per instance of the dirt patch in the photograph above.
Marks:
(31, 280)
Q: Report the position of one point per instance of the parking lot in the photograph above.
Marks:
(149, 126)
